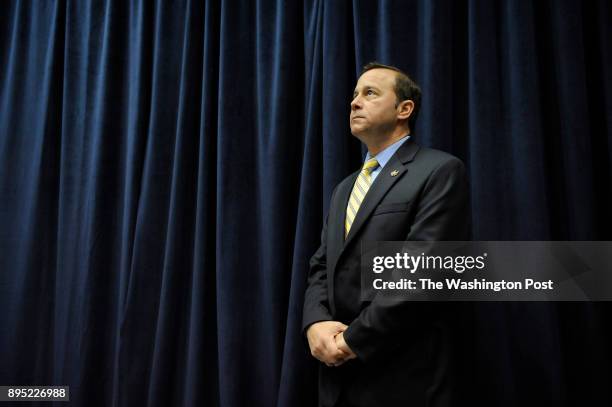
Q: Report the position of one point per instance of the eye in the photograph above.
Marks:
(370, 92)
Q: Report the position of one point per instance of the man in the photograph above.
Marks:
(376, 353)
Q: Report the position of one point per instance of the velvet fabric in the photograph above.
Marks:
(165, 170)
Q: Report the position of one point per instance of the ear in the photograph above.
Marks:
(405, 109)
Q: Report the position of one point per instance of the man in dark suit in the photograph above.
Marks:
(377, 353)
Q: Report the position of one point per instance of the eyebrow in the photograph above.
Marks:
(367, 87)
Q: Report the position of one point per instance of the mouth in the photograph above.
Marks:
(357, 117)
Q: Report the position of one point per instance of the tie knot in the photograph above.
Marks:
(370, 165)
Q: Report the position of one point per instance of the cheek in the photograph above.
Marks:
(383, 112)
(390, 110)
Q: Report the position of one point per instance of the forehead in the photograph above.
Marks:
(379, 77)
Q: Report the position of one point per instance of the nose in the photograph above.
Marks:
(356, 103)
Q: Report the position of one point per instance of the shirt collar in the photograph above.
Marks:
(385, 155)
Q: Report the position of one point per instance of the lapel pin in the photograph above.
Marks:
(394, 173)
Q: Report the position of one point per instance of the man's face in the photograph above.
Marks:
(373, 110)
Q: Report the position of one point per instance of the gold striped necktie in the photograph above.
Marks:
(360, 189)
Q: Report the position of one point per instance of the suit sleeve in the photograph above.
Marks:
(316, 303)
(442, 214)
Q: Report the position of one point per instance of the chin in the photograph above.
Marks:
(356, 130)
(358, 134)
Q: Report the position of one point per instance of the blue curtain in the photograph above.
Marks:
(165, 168)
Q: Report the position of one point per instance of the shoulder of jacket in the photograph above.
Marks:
(436, 158)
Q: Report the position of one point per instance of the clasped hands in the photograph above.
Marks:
(327, 344)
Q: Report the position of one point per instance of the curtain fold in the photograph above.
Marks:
(165, 169)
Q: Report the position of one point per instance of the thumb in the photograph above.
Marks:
(342, 327)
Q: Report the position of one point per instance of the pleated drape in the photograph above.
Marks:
(165, 168)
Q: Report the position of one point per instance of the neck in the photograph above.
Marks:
(378, 144)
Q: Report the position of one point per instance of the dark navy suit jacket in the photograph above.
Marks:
(403, 352)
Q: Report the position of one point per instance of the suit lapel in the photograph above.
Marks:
(336, 233)
(383, 182)
(388, 176)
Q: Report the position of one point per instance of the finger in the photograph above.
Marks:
(330, 348)
(341, 344)
(330, 343)
(333, 356)
(335, 353)
(340, 356)
(339, 327)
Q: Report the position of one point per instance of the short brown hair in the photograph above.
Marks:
(405, 89)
